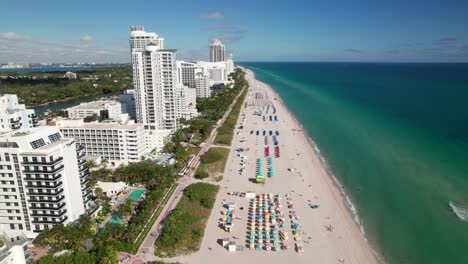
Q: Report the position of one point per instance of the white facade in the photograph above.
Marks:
(15, 249)
(43, 180)
(154, 80)
(107, 108)
(14, 116)
(155, 140)
(217, 51)
(119, 144)
(186, 102)
(111, 188)
(203, 85)
(127, 100)
(139, 38)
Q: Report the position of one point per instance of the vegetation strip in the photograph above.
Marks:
(184, 228)
(155, 216)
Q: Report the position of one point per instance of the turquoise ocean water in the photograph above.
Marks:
(396, 137)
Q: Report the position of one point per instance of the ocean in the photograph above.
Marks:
(396, 137)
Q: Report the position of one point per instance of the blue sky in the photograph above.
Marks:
(293, 30)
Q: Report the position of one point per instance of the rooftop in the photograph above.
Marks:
(93, 105)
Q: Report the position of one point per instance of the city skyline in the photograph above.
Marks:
(393, 31)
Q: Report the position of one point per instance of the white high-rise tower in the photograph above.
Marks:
(217, 51)
(154, 80)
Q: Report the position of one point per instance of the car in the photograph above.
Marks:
(258, 132)
(251, 132)
(264, 132)
(271, 133)
(277, 133)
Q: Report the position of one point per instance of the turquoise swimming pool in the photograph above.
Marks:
(114, 220)
(135, 195)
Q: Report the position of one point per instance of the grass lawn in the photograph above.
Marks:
(214, 161)
(184, 229)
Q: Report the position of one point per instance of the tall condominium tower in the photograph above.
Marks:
(43, 180)
(154, 80)
(217, 51)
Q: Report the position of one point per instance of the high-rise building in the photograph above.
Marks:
(43, 180)
(217, 51)
(154, 80)
(14, 116)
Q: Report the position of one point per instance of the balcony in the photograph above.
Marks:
(79, 147)
(54, 170)
(47, 207)
(49, 215)
(29, 178)
(46, 163)
(57, 184)
(46, 201)
(60, 191)
(48, 222)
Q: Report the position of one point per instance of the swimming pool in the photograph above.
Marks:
(135, 195)
(114, 220)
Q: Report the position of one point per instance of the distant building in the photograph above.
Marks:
(44, 180)
(108, 109)
(15, 249)
(217, 51)
(186, 73)
(118, 143)
(14, 116)
(186, 102)
(127, 100)
(70, 75)
(203, 85)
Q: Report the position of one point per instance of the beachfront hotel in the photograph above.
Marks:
(43, 180)
(217, 51)
(117, 143)
(14, 116)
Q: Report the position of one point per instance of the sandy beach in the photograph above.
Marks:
(330, 233)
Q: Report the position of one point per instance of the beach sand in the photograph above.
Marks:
(309, 181)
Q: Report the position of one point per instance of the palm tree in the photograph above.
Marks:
(104, 162)
(98, 193)
(90, 164)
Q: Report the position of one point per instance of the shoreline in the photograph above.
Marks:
(346, 200)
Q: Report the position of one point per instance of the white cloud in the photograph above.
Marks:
(103, 52)
(86, 38)
(13, 36)
(215, 15)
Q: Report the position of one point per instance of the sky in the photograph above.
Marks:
(255, 30)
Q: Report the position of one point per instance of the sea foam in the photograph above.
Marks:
(460, 212)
